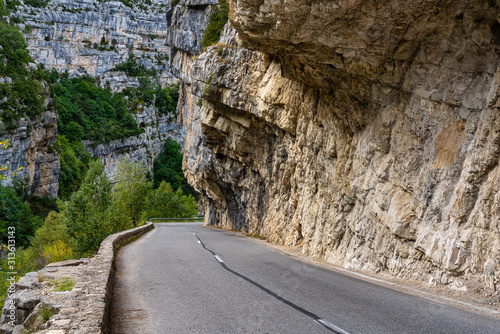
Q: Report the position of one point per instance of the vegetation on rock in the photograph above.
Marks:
(21, 89)
(87, 111)
(168, 168)
(218, 18)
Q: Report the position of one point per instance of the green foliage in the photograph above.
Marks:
(87, 111)
(134, 69)
(131, 189)
(20, 185)
(14, 212)
(163, 202)
(36, 3)
(87, 213)
(218, 18)
(63, 284)
(74, 164)
(148, 92)
(46, 313)
(25, 96)
(42, 205)
(12, 4)
(168, 168)
(51, 242)
(166, 99)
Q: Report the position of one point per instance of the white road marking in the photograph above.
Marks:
(331, 326)
(218, 258)
(199, 241)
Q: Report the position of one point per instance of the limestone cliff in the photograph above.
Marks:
(89, 37)
(366, 133)
(92, 37)
(145, 147)
(31, 148)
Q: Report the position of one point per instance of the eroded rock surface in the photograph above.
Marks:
(31, 149)
(367, 134)
(89, 37)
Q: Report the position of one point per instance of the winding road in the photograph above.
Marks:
(186, 278)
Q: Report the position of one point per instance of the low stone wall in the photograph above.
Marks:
(86, 308)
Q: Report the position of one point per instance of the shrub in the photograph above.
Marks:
(36, 3)
(74, 164)
(15, 213)
(218, 18)
(25, 96)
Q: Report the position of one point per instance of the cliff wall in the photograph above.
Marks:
(31, 148)
(363, 133)
(90, 37)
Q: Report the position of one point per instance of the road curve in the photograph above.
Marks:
(186, 278)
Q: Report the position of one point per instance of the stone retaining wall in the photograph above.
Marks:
(83, 310)
(88, 313)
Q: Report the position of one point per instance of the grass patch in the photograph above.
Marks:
(63, 284)
(256, 235)
(46, 313)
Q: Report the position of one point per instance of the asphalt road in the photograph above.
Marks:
(186, 278)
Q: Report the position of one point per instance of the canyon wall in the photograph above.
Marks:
(363, 133)
(31, 150)
(89, 37)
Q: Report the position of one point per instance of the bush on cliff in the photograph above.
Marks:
(87, 111)
(218, 18)
(21, 93)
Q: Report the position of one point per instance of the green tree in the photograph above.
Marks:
(14, 212)
(131, 189)
(163, 202)
(168, 168)
(52, 242)
(74, 163)
(87, 212)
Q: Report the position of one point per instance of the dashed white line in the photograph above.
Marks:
(218, 258)
(199, 241)
(331, 326)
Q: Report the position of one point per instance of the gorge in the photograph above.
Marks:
(364, 133)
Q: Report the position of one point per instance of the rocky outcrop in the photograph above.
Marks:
(31, 149)
(363, 133)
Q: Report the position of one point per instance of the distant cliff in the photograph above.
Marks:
(92, 37)
(88, 37)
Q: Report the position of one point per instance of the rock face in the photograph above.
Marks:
(145, 147)
(89, 37)
(92, 37)
(367, 134)
(31, 148)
